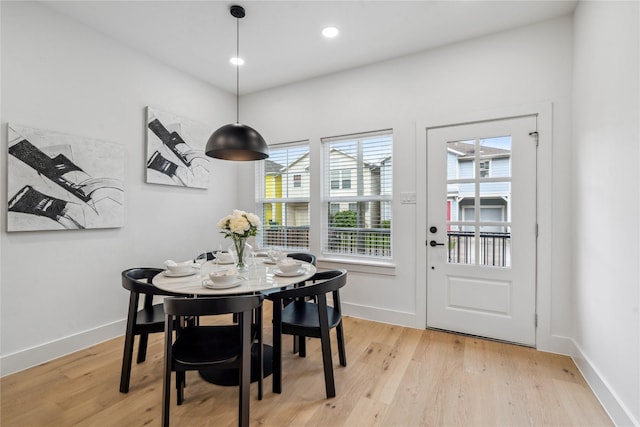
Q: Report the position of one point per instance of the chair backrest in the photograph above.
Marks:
(211, 305)
(138, 280)
(303, 256)
(320, 283)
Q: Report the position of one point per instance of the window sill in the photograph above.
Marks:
(358, 265)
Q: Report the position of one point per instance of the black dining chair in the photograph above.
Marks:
(199, 347)
(294, 315)
(141, 322)
(299, 344)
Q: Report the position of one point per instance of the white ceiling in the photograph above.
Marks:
(281, 40)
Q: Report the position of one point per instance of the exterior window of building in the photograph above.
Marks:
(485, 168)
(358, 193)
(341, 179)
(282, 196)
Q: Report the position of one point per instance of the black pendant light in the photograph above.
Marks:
(236, 141)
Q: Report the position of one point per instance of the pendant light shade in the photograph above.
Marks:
(236, 141)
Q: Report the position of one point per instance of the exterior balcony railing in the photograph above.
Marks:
(286, 236)
(360, 241)
(351, 241)
(495, 248)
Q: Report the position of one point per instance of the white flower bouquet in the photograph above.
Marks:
(239, 226)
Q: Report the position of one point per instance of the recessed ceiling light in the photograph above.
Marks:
(236, 61)
(330, 32)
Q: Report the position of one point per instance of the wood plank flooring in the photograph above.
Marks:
(395, 377)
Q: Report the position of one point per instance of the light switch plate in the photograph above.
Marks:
(408, 197)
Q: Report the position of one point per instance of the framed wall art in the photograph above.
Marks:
(175, 150)
(57, 181)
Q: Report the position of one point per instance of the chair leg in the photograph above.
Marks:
(341, 348)
(180, 381)
(142, 348)
(166, 386)
(302, 346)
(245, 371)
(277, 349)
(260, 351)
(127, 358)
(296, 344)
(327, 363)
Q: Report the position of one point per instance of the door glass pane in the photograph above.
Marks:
(460, 245)
(460, 155)
(495, 157)
(478, 212)
(495, 246)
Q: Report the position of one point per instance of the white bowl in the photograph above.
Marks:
(223, 277)
(181, 267)
(224, 257)
(288, 265)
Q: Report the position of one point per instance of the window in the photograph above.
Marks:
(357, 191)
(341, 179)
(485, 168)
(282, 196)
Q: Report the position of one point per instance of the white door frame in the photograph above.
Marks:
(544, 111)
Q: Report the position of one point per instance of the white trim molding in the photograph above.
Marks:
(30, 357)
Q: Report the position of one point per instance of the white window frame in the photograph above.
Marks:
(327, 199)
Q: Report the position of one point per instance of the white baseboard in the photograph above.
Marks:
(608, 398)
(20, 360)
(377, 314)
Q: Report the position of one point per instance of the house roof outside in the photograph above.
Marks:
(467, 151)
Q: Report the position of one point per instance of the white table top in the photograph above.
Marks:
(258, 278)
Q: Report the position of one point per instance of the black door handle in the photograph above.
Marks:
(433, 244)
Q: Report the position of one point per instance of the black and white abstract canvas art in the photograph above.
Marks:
(175, 150)
(58, 181)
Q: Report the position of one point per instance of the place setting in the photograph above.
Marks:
(289, 267)
(223, 279)
(181, 269)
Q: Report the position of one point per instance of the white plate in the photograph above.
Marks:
(223, 263)
(207, 283)
(298, 272)
(170, 273)
(268, 261)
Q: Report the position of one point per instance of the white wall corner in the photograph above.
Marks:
(615, 408)
(24, 359)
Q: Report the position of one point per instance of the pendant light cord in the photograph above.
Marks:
(238, 70)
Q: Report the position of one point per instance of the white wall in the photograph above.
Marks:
(61, 289)
(507, 70)
(58, 75)
(607, 203)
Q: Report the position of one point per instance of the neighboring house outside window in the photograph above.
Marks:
(282, 196)
(357, 190)
(494, 195)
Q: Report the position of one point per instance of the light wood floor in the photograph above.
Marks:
(395, 376)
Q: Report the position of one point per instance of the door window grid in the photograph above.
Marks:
(471, 190)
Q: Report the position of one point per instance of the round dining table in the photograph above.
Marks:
(260, 276)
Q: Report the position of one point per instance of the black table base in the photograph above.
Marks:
(230, 377)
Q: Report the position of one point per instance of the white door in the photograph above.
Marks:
(481, 213)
